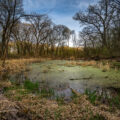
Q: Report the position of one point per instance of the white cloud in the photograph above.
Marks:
(33, 5)
(57, 16)
(65, 20)
(85, 3)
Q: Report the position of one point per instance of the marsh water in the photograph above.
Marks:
(57, 75)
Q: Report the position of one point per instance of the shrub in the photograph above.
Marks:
(47, 92)
(34, 87)
(60, 100)
(91, 96)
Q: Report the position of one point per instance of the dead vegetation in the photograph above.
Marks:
(19, 104)
(42, 109)
(17, 65)
(85, 63)
(12, 110)
(103, 65)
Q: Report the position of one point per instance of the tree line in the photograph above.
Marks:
(101, 28)
(31, 34)
(26, 35)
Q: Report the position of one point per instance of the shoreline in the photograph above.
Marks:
(17, 65)
(33, 107)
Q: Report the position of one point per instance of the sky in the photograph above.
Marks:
(60, 11)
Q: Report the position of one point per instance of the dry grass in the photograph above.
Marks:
(17, 65)
(33, 107)
(104, 67)
(85, 63)
(19, 101)
(5, 84)
(12, 110)
(79, 108)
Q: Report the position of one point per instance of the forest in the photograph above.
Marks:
(36, 35)
(49, 71)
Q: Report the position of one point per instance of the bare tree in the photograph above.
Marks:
(99, 17)
(62, 35)
(90, 37)
(23, 37)
(10, 13)
(41, 28)
(117, 2)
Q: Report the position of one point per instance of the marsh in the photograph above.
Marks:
(62, 77)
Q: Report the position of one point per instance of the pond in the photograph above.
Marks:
(62, 78)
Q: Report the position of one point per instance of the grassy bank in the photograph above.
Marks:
(35, 105)
(105, 65)
(17, 65)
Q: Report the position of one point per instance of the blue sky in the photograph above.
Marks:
(60, 11)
